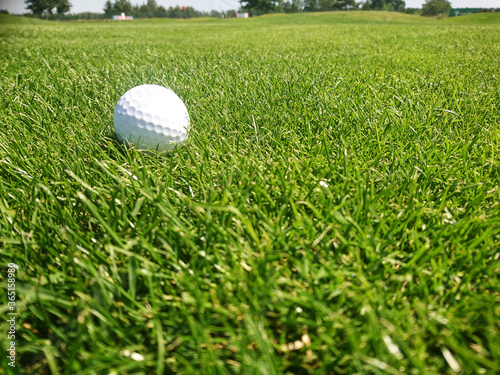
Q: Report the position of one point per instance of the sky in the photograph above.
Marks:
(18, 6)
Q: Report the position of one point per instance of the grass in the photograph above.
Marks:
(478, 18)
(350, 17)
(334, 211)
(18, 20)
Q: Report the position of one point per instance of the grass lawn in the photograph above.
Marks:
(478, 19)
(334, 210)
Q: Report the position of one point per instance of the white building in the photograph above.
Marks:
(122, 17)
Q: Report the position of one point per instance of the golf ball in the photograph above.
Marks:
(151, 117)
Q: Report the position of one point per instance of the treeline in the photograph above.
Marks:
(257, 7)
(388, 5)
(294, 6)
(149, 9)
(58, 9)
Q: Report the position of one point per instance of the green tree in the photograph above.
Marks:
(318, 5)
(175, 12)
(327, 4)
(297, 6)
(122, 6)
(347, 4)
(399, 5)
(436, 7)
(374, 5)
(161, 12)
(148, 9)
(311, 5)
(108, 9)
(40, 7)
(390, 5)
(263, 6)
(189, 12)
(151, 5)
(293, 6)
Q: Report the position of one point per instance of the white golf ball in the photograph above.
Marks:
(151, 117)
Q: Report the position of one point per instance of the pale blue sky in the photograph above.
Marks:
(18, 6)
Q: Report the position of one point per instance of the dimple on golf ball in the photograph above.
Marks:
(151, 117)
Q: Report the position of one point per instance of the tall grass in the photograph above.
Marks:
(335, 209)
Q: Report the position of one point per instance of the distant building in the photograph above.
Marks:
(242, 14)
(123, 17)
(454, 12)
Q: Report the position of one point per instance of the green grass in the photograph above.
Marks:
(479, 18)
(340, 186)
(18, 20)
(351, 17)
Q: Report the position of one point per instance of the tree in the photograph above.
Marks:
(336, 4)
(398, 5)
(327, 4)
(151, 5)
(40, 7)
(161, 12)
(374, 4)
(311, 5)
(318, 5)
(390, 5)
(148, 9)
(436, 7)
(264, 6)
(175, 12)
(122, 6)
(294, 6)
(347, 4)
(189, 12)
(108, 9)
